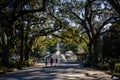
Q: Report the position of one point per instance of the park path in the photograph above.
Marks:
(63, 71)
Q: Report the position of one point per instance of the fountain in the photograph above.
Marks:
(58, 49)
(61, 57)
(70, 56)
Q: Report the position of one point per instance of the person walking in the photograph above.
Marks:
(56, 61)
(51, 61)
(46, 61)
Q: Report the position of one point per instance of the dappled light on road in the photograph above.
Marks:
(63, 71)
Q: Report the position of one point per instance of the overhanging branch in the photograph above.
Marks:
(108, 31)
(23, 12)
(104, 23)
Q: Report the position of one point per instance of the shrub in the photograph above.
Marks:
(3, 70)
(117, 67)
(30, 61)
(12, 64)
(86, 64)
(103, 66)
(12, 70)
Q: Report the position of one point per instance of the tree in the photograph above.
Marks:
(91, 16)
(10, 12)
(116, 5)
(111, 42)
(33, 21)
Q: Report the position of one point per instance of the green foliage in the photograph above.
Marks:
(19, 64)
(70, 35)
(56, 19)
(115, 4)
(117, 67)
(69, 47)
(44, 44)
(51, 49)
(3, 70)
(30, 60)
(14, 14)
(103, 66)
(111, 47)
(12, 70)
(43, 41)
(12, 63)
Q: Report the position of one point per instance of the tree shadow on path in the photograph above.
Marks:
(32, 73)
(60, 72)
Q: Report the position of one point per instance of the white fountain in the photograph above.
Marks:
(58, 49)
(61, 57)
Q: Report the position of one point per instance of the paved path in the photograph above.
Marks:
(60, 72)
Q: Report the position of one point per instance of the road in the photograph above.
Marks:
(63, 71)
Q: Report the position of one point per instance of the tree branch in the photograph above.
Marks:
(88, 16)
(103, 24)
(82, 23)
(116, 5)
(23, 12)
(108, 31)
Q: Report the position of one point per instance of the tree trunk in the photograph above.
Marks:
(27, 49)
(27, 54)
(5, 56)
(28, 46)
(95, 52)
(5, 51)
(22, 42)
(90, 53)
